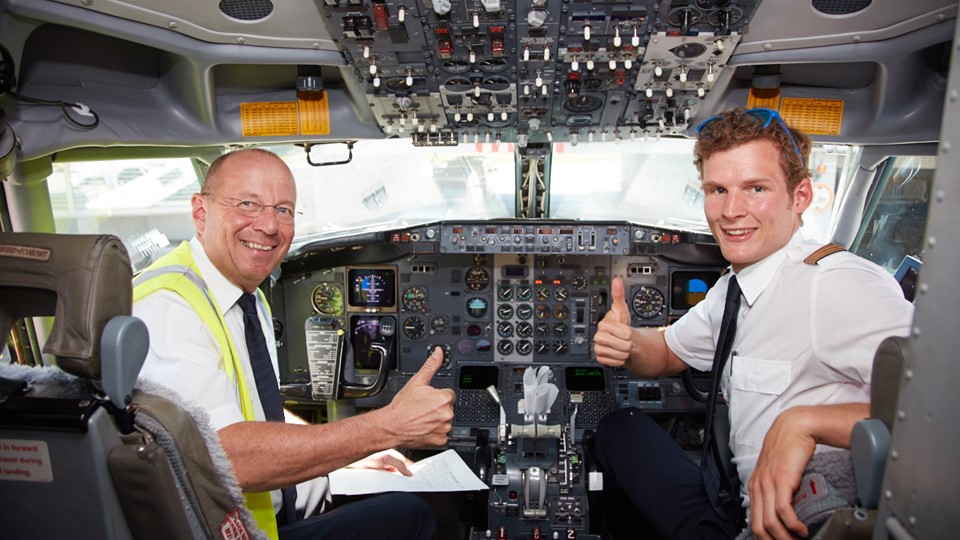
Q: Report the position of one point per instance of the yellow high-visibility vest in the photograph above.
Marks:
(177, 271)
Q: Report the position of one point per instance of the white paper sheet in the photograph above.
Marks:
(443, 472)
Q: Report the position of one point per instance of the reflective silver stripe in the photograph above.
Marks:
(186, 271)
(152, 273)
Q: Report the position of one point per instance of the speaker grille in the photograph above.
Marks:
(246, 10)
(840, 7)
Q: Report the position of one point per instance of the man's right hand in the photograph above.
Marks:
(614, 339)
(423, 414)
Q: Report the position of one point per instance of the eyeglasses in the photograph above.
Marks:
(765, 116)
(254, 209)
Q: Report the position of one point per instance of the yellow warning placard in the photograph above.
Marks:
(314, 113)
(767, 98)
(813, 116)
(271, 118)
(309, 115)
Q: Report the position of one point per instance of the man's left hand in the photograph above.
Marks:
(787, 448)
(387, 460)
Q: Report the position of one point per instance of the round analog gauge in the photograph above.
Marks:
(439, 325)
(542, 311)
(476, 307)
(328, 299)
(561, 329)
(648, 302)
(524, 311)
(524, 293)
(414, 299)
(505, 329)
(524, 347)
(542, 329)
(579, 282)
(504, 311)
(541, 346)
(561, 294)
(560, 347)
(543, 293)
(561, 311)
(477, 278)
(447, 354)
(505, 293)
(414, 327)
(524, 329)
(504, 346)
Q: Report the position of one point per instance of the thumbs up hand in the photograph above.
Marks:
(618, 301)
(613, 340)
(421, 414)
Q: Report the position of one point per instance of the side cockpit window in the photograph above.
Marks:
(893, 231)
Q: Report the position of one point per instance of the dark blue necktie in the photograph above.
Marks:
(267, 388)
(713, 472)
(260, 363)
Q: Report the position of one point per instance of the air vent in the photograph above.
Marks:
(246, 10)
(840, 7)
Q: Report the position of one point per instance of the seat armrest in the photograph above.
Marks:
(869, 445)
(123, 349)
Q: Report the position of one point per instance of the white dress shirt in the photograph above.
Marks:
(806, 335)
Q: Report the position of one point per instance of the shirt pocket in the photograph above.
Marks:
(754, 395)
(759, 376)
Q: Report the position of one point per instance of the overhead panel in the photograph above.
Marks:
(446, 72)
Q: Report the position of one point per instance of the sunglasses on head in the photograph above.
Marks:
(764, 116)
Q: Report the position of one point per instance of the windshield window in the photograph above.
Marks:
(654, 183)
(390, 184)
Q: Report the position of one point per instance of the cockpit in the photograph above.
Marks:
(471, 176)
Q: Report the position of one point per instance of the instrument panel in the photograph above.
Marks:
(499, 298)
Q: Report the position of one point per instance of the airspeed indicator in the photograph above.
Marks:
(648, 303)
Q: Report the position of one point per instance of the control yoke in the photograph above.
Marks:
(352, 390)
(328, 355)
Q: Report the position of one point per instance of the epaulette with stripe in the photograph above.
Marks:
(824, 251)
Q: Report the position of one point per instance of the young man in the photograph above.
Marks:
(193, 301)
(797, 379)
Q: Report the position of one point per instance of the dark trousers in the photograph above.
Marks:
(651, 487)
(393, 516)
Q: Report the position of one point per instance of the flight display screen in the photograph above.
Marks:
(372, 287)
(367, 330)
(584, 379)
(689, 287)
(478, 377)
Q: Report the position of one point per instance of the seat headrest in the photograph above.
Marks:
(83, 281)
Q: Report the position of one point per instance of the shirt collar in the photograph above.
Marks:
(754, 279)
(224, 292)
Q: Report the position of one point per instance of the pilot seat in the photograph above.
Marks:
(85, 451)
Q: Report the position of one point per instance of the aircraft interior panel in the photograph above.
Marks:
(500, 298)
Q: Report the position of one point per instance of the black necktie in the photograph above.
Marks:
(267, 388)
(260, 363)
(715, 478)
